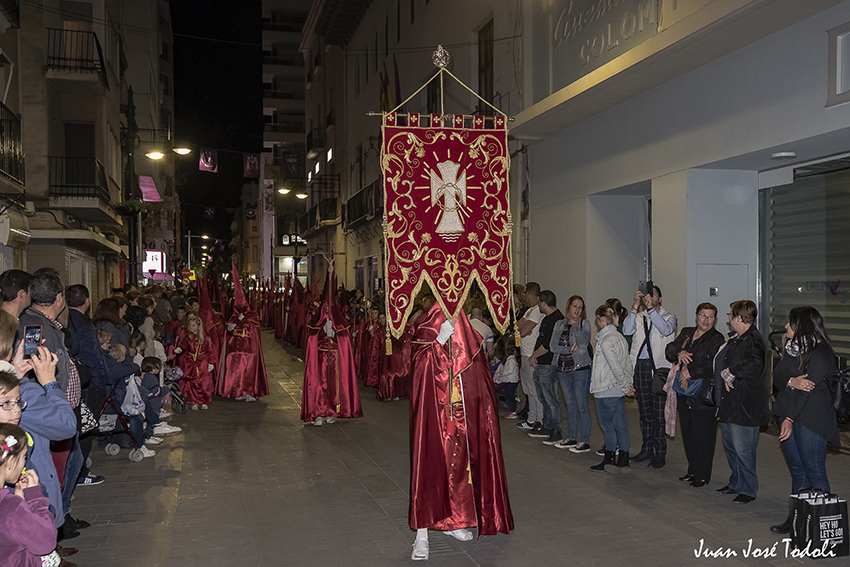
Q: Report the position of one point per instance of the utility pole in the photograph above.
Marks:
(130, 186)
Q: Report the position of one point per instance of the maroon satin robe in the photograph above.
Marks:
(194, 361)
(245, 369)
(395, 369)
(457, 472)
(330, 382)
(375, 359)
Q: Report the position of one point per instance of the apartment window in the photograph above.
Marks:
(485, 65)
(165, 119)
(412, 10)
(166, 84)
(359, 152)
(433, 92)
(164, 53)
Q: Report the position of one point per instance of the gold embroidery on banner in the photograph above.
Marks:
(489, 250)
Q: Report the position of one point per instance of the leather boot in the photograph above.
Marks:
(608, 459)
(622, 464)
(644, 455)
(783, 528)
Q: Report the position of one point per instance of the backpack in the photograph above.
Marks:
(841, 395)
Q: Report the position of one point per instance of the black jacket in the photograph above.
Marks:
(746, 403)
(701, 367)
(812, 409)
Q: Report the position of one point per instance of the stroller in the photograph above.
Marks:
(109, 428)
(172, 379)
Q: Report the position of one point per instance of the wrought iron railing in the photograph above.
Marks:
(76, 52)
(77, 177)
(320, 215)
(11, 148)
(364, 205)
(290, 126)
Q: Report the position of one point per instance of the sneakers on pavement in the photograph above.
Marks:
(147, 452)
(511, 415)
(165, 429)
(163, 413)
(249, 398)
(330, 419)
(541, 433)
(153, 440)
(205, 406)
(580, 448)
(553, 438)
(565, 443)
(525, 425)
(194, 406)
(90, 480)
(318, 421)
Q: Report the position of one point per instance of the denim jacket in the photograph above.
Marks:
(579, 335)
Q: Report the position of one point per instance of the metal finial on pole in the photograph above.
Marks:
(441, 57)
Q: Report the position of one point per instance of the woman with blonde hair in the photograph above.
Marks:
(195, 360)
(610, 380)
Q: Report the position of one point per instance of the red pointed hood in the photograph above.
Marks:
(238, 295)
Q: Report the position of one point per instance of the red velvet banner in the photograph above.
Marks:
(447, 220)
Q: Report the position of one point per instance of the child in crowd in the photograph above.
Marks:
(137, 423)
(104, 338)
(507, 374)
(152, 393)
(27, 530)
(195, 360)
(138, 346)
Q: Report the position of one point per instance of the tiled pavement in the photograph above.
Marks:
(249, 484)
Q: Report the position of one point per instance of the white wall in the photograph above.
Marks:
(769, 93)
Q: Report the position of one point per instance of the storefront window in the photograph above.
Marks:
(808, 252)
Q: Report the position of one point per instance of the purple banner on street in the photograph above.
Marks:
(251, 165)
(208, 160)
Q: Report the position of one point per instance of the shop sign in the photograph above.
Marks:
(584, 35)
(821, 286)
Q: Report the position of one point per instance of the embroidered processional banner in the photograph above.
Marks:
(446, 215)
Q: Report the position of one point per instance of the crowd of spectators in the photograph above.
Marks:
(56, 389)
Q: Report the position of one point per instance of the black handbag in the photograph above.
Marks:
(841, 395)
(659, 380)
(819, 523)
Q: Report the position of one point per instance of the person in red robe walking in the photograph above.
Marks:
(244, 369)
(195, 359)
(394, 383)
(457, 473)
(330, 382)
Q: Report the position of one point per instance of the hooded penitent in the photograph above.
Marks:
(330, 383)
(245, 370)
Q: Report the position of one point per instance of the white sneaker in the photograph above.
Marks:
(147, 452)
(420, 549)
(330, 420)
(205, 406)
(165, 429)
(462, 534)
(250, 398)
(318, 421)
(164, 414)
(194, 406)
(153, 440)
(241, 398)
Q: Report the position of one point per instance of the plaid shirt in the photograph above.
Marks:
(73, 393)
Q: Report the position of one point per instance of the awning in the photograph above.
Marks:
(150, 194)
(78, 237)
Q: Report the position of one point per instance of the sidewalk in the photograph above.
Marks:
(249, 484)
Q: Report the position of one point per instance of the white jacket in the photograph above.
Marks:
(657, 341)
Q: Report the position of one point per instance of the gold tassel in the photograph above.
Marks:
(389, 349)
(517, 338)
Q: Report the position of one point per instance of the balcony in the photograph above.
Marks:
(79, 186)
(73, 54)
(291, 126)
(319, 218)
(364, 206)
(291, 24)
(315, 143)
(11, 148)
(11, 9)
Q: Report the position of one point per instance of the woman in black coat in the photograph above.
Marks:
(740, 381)
(803, 378)
(694, 351)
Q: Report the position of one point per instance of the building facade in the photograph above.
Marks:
(701, 144)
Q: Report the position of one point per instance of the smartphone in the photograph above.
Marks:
(645, 287)
(32, 338)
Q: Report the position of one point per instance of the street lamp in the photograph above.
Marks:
(190, 236)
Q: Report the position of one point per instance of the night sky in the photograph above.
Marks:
(218, 103)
